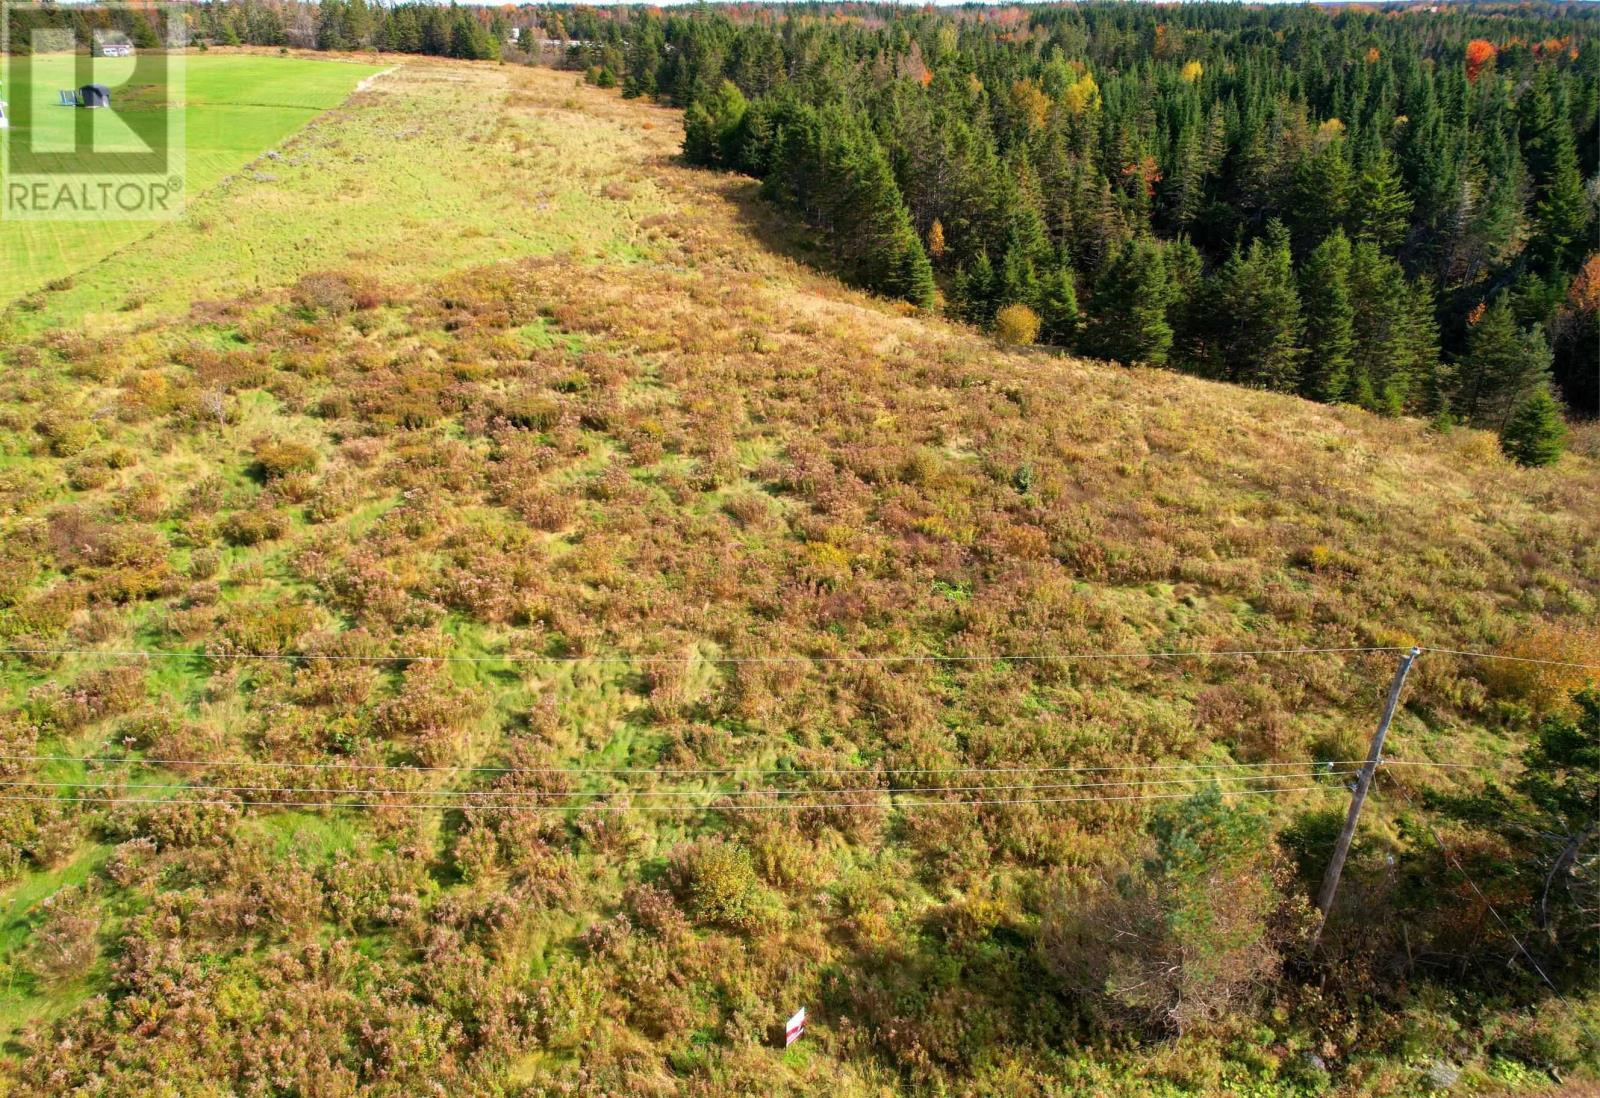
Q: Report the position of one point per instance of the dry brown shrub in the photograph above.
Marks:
(96, 694)
(254, 527)
(1250, 715)
(749, 509)
(277, 458)
(431, 716)
(335, 293)
(1545, 687)
(133, 863)
(64, 945)
(55, 840)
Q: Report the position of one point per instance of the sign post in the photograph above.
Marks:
(794, 1027)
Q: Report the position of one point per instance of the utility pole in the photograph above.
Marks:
(1330, 881)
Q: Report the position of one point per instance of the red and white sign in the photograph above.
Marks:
(794, 1027)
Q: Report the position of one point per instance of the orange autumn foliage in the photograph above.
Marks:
(1584, 294)
(1480, 56)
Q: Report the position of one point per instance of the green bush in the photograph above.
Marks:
(277, 458)
(717, 883)
(65, 434)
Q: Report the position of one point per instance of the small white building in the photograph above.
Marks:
(111, 44)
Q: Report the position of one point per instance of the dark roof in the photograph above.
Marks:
(101, 88)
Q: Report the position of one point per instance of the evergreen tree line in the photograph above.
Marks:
(83, 23)
(413, 27)
(1390, 211)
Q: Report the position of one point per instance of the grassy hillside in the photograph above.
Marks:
(238, 106)
(478, 370)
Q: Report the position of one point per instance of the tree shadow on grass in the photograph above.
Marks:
(777, 230)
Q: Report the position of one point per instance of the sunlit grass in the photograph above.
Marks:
(238, 107)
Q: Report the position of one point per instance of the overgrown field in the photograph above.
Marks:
(479, 372)
(238, 106)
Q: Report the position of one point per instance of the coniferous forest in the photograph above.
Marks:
(1391, 207)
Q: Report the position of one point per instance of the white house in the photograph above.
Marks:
(110, 44)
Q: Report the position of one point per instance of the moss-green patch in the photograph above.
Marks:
(22, 998)
(544, 335)
(310, 837)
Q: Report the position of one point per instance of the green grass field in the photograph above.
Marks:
(365, 187)
(237, 106)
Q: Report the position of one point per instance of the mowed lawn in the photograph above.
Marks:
(437, 166)
(237, 106)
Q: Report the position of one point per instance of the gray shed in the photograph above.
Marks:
(94, 95)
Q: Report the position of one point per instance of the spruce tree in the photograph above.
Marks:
(700, 144)
(1130, 307)
(916, 274)
(1540, 128)
(1187, 314)
(711, 126)
(1425, 382)
(1058, 306)
(356, 24)
(1535, 433)
(1561, 217)
(1186, 191)
(977, 292)
(1503, 366)
(1330, 334)
(1321, 191)
(646, 43)
(1378, 300)
(1258, 326)
(330, 25)
(871, 227)
(435, 32)
(1382, 207)
(144, 36)
(1018, 279)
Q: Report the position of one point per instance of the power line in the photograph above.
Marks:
(122, 760)
(614, 793)
(1515, 659)
(635, 660)
(776, 806)
(992, 657)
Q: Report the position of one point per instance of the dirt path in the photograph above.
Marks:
(368, 82)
